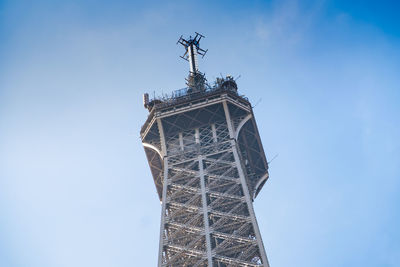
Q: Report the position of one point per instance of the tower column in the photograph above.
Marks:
(205, 211)
(244, 185)
(163, 210)
(164, 191)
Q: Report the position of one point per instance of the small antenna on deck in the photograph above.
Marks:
(258, 102)
(273, 158)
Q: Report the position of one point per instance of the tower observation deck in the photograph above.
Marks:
(208, 165)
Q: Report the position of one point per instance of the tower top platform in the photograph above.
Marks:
(186, 96)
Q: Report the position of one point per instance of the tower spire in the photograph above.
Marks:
(208, 165)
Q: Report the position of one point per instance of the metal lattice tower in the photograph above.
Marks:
(208, 165)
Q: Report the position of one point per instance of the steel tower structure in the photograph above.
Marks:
(208, 165)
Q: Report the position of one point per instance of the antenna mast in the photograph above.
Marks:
(196, 79)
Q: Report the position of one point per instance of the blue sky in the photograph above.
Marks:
(75, 187)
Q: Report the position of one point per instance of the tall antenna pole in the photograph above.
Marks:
(192, 49)
(192, 55)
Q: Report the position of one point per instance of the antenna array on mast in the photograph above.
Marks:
(192, 48)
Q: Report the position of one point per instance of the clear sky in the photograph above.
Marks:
(75, 187)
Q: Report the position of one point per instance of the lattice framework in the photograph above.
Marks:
(207, 213)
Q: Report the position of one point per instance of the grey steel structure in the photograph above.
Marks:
(208, 165)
